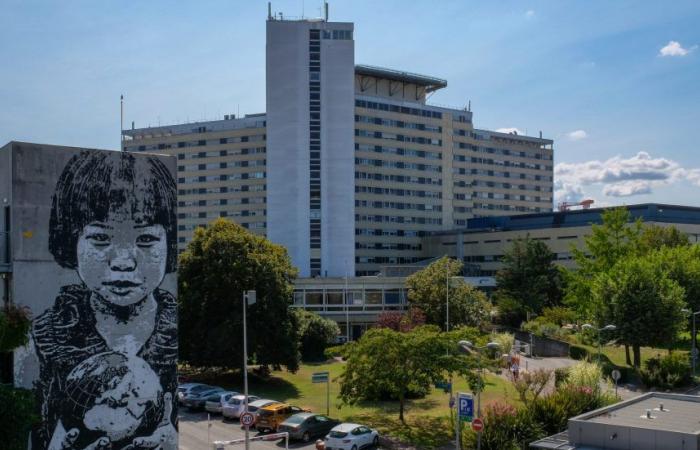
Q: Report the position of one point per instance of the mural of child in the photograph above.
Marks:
(113, 222)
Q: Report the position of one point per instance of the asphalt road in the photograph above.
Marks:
(193, 433)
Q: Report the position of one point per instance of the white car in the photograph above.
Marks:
(235, 406)
(351, 436)
(214, 403)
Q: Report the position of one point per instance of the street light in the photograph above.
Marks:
(610, 327)
(468, 346)
(694, 351)
(249, 298)
(447, 299)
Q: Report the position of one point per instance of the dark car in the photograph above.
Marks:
(305, 426)
(197, 397)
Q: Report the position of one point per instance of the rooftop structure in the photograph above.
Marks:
(654, 421)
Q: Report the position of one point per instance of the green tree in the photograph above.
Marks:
(220, 263)
(427, 291)
(387, 363)
(316, 333)
(642, 301)
(615, 239)
(655, 237)
(528, 281)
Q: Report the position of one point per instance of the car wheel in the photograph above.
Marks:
(305, 437)
(354, 447)
(375, 442)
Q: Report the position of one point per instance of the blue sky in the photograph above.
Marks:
(614, 83)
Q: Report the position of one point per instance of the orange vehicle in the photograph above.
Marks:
(270, 417)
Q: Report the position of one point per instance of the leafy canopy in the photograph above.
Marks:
(219, 264)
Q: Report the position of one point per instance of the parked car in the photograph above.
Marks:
(305, 426)
(184, 389)
(215, 402)
(255, 406)
(351, 436)
(270, 417)
(196, 398)
(235, 406)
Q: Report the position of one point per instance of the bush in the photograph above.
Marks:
(316, 333)
(578, 352)
(16, 416)
(585, 375)
(561, 375)
(553, 411)
(506, 428)
(505, 340)
(337, 351)
(559, 315)
(666, 372)
(540, 326)
(15, 322)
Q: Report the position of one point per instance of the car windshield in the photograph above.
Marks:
(201, 388)
(338, 434)
(295, 419)
(265, 413)
(235, 401)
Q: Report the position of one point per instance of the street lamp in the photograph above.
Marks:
(249, 298)
(610, 327)
(694, 351)
(469, 347)
(447, 299)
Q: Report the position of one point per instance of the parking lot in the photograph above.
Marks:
(193, 433)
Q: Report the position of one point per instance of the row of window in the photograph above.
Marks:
(388, 232)
(398, 219)
(221, 201)
(220, 153)
(502, 151)
(497, 185)
(491, 206)
(194, 226)
(397, 137)
(222, 165)
(387, 246)
(223, 189)
(398, 109)
(397, 178)
(397, 205)
(398, 151)
(215, 214)
(398, 123)
(386, 260)
(222, 177)
(397, 165)
(397, 192)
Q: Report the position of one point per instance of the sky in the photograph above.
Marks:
(615, 84)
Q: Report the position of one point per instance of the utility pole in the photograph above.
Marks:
(248, 298)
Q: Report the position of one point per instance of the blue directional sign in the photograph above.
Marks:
(465, 407)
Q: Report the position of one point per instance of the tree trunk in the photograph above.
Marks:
(627, 355)
(401, 402)
(637, 356)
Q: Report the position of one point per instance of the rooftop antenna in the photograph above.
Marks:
(302, 9)
(121, 122)
(325, 9)
(269, 10)
(469, 106)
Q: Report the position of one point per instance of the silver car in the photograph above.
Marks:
(215, 402)
(235, 406)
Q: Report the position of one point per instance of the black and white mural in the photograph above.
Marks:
(106, 344)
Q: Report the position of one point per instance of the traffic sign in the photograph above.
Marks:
(319, 377)
(465, 406)
(247, 419)
(615, 374)
(478, 425)
(452, 401)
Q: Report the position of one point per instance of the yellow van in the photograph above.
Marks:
(270, 417)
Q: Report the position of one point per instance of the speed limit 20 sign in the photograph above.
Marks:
(247, 419)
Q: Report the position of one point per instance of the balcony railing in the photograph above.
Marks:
(5, 257)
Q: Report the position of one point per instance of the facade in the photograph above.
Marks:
(352, 166)
(481, 244)
(90, 250)
(653, 421)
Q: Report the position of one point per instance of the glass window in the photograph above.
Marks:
(392, 296)
(298, 297)
(373, 297)
(334, 297)
(314, 298)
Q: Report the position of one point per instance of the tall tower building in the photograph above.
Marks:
(310, 143)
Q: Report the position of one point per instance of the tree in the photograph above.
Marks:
(384, 362)
(427, 290)
(401, 321)
(615, 239)
(316, 333)
(642, 301)
(655, 237)
(219, 264)
(529, 279)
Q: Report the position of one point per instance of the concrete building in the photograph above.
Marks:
(481, 244)
(352, 166)
(654, 421)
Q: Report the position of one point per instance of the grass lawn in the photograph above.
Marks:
(428, 422)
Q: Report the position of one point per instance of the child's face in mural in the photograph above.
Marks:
(121, 259)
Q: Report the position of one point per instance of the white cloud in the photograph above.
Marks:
(619, 177)
(577, 135)
(530, 14)
(674, 48)
(510, 130)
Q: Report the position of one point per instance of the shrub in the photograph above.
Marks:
(16, 416)
(553, 411)
(559, 315)
(505, 340)
(578, 352)
(15, 323)
(337, 351)
(540, 326)
(316, 333)
(561, 375)
(666, 372)
(506, 428)
(585, 374)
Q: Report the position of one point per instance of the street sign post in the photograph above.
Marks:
(324, 377)
(247, 419)
(478, 425)
(465, 406)
(616, 375)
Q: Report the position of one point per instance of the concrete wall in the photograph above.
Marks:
(94, 237)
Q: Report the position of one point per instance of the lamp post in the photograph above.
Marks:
(610, 327)
(694, 351)
(447, 298)
(468, 346)
(248, 298)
